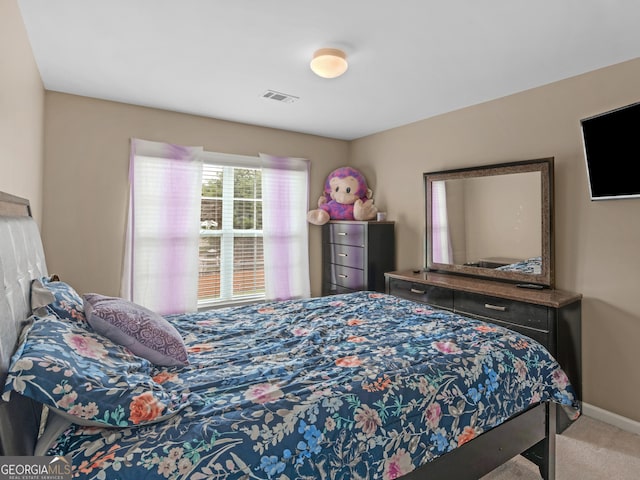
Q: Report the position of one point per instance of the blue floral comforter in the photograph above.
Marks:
(530, 265)
(362, 385)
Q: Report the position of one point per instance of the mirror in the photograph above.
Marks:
(493, 221)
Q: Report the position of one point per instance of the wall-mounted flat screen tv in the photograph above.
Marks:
(612, 151)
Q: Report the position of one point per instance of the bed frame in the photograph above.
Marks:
(21, 260)
(531, 433)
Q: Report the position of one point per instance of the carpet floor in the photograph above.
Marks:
(588, 450)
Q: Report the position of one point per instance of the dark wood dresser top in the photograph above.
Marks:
(548, 296)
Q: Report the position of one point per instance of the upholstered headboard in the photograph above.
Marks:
(21, 260)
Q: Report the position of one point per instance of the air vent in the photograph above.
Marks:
(279, 96)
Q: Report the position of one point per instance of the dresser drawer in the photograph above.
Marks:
(337, 289)
(347, 255)
(538, 335)
(348, 277)
(436, 296)
(347, 234)
(517, 313)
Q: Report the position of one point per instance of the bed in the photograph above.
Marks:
(529, 265)
(359, 385)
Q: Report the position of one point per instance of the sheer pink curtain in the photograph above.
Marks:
(160, 268)
(285, 186)
(440, 224)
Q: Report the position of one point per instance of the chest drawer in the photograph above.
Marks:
(509, 311)
(347, 255)
(352, 278)
(337, 289)
(347, 234)
(436, 296)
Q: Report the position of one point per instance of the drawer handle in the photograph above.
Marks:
(495, 307)
(342, 254)
(342, 275)
(344, 234)
(415, 290)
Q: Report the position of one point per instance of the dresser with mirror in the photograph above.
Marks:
(489, 255)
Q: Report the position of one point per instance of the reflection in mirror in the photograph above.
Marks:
(483, 227)
(492, 221)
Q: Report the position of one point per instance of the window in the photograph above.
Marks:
(231, 255)
(206, 228)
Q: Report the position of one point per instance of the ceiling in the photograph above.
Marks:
(408, 60)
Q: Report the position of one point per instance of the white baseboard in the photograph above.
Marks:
(611, 418)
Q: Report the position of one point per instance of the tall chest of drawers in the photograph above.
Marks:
(356, 255)
(552, 317)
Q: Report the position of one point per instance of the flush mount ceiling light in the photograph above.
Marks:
(329, 62)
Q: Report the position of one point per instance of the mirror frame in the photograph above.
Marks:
(543, 165)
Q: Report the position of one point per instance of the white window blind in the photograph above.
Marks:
(231, 254)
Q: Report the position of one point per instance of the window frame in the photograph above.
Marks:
(227, 233)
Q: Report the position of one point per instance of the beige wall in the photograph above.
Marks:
(596, 242)
(21, 111)
(86, 185)
(503, 217)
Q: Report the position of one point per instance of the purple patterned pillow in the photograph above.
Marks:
(145, 333)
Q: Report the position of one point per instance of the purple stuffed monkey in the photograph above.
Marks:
(346, 197)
